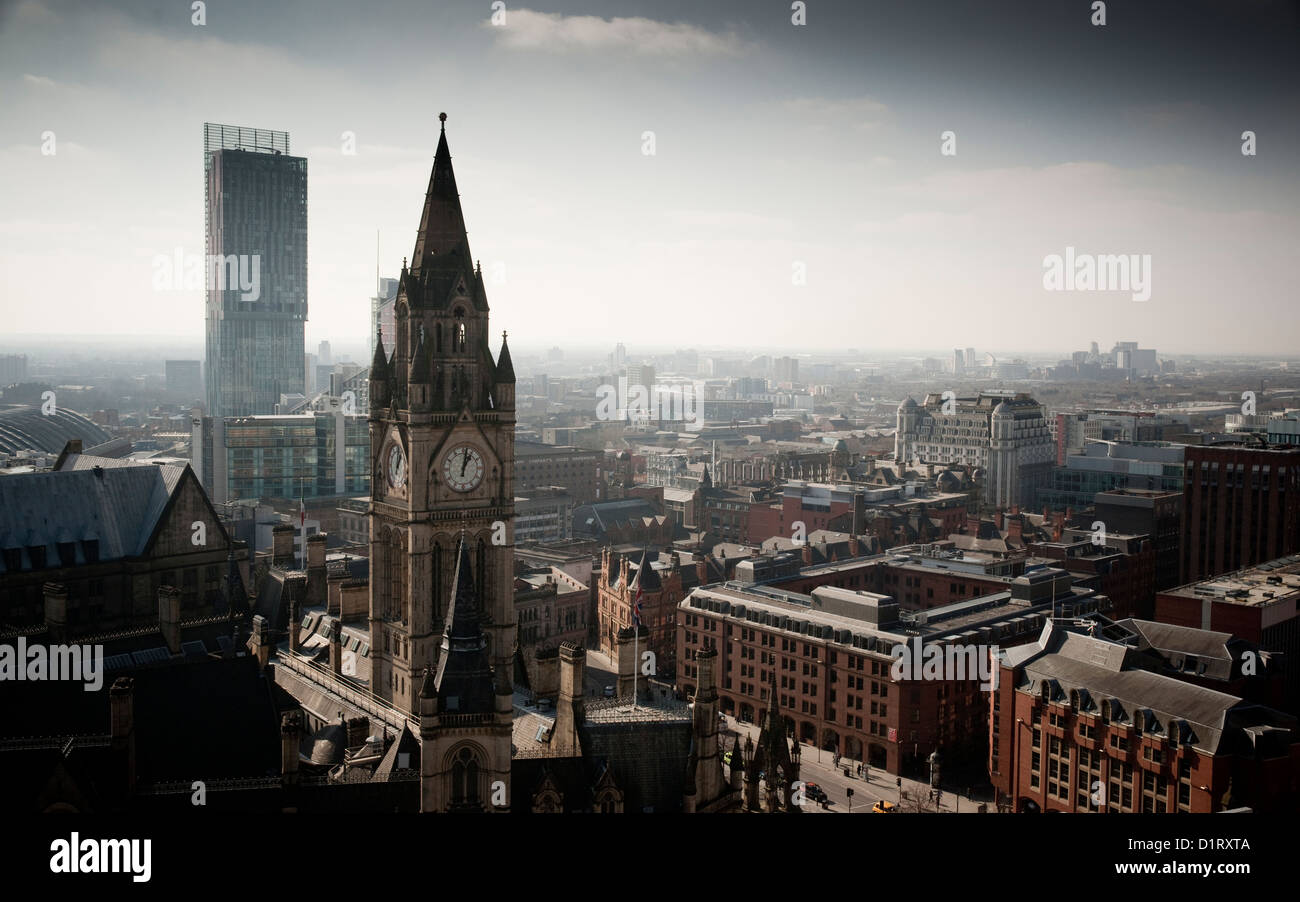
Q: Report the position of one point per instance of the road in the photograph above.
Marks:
(880, 785)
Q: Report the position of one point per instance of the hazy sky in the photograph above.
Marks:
(775, 144)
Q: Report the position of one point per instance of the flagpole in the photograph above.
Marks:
(636, 654)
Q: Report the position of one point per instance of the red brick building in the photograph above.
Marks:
(1241, 506)
(1257, 604)
(918, 577)
(831, 653)
(620, 581)
(1123, 569)
(1084, 722)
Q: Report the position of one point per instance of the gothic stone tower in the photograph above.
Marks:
(442, 420)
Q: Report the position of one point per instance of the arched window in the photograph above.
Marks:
(460, 336)
(437, 337)
(464, 778)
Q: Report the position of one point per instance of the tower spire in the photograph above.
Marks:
(464, 679)
(442, 224)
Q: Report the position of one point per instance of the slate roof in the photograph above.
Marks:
(114, 502)
(597, 518)
(1064, 660)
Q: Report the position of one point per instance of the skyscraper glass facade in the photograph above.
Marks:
(256, 212)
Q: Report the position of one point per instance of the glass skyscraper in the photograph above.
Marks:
(256, 226)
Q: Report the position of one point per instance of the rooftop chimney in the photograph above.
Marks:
(570, 709)
(169, 617)
(56, 611)
(282, 546)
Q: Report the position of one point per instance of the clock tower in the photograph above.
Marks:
(442, 421)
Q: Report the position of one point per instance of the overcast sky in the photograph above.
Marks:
(775, 145)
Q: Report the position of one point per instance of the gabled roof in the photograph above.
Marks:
(118, 504)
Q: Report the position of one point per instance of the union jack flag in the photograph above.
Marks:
(636, 609)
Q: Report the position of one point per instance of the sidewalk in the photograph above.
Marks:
(880, 784)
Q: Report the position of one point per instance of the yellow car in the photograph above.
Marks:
(883, 807)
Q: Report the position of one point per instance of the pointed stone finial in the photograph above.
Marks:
(503, 334)
(442, 117)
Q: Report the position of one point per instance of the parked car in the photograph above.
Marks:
(814, 792)
(883, 807)
(609, 692)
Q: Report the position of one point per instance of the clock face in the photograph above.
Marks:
(463, 468)
(396, 467)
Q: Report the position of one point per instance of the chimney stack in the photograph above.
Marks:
(626, 663)
(358, 731)
(169, 617)
(333, 591)
(336, 646)
(316, 579)
(56, 612)
(259, 643)
(121, 708)
(282, 546)
(290, 739)
(570, 709)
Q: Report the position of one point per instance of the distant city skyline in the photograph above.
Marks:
(780, 152)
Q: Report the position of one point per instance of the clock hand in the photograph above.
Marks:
(464, 461)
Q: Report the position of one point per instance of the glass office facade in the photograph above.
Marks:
(256, 228)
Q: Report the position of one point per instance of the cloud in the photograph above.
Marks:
(858, 112)
(526, 29)
(38, 80)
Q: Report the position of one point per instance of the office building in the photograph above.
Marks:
(1096, 716)
(831, 652)
(1241, 507)
(1146, 512)
(281, 457)
(1104, 466)
(1257, 604)
(538, 466)
(382, 307)
(1004, 435)
(256, 227)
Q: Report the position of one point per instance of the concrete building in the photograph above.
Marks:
(544, 514)
(542, 465)
(1004, 435)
